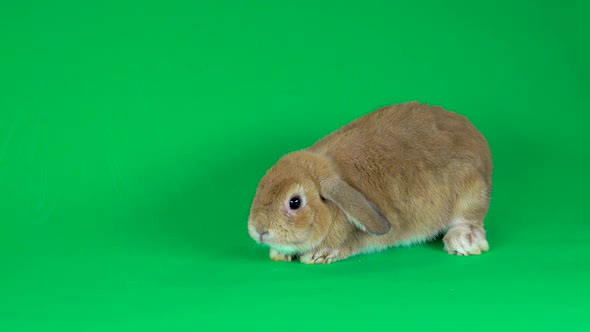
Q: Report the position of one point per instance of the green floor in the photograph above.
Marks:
(133, 134)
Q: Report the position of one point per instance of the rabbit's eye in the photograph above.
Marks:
(295, 202)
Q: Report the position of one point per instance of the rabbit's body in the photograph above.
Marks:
(398, 175)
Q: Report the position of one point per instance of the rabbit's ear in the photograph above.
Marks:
(360, 211)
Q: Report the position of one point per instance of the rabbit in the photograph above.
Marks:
(399, 175)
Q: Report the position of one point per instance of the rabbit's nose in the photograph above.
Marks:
(262, 235)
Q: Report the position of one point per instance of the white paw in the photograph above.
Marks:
(278, 256)
(465, 239)
(322, 256)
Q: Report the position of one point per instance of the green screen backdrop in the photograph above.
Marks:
(133, 135)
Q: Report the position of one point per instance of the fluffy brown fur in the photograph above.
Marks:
(399, 175)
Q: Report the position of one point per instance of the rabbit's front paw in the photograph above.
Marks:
(321, 256)
(279, 256)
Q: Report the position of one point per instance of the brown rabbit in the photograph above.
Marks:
(399, 175)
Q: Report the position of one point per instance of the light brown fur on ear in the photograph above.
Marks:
(363, 214)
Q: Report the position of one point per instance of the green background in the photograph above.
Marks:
(133, 134)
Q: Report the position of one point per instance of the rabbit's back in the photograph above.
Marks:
(405, 133)
(413, 160)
